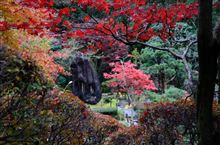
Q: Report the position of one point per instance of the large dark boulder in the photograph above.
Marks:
(85, 82)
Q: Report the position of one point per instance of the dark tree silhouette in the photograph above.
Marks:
(208, 50)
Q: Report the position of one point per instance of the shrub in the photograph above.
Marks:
(102, 127)
(128, 136)
(161, 124)
(155, 97)
(31, 112)
(173, 92)
(170, 123)
(22, 93)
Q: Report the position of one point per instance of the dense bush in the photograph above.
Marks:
(170, 95)
(103, 127)
(78, 125)
(173, 92)
(161, 124)
(22, 100)
(170, 123)
(129, 136)
(154, 97)
(33, 111)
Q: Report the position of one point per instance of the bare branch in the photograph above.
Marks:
(188, 47)
(159, 48)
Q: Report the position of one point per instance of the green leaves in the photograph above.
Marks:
(155, 62)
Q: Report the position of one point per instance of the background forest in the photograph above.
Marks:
(156, 62)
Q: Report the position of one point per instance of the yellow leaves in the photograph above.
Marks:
(13, 70)
(18, 78)
(34, 42)
(15, 13)
(7, 8)
(71, 98)
(31, 47)
(34, 48)
(9, 38)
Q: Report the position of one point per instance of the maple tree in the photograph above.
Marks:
(37, 49)
(130, 21)
(21, 32)
(103, 25)
(126, 78)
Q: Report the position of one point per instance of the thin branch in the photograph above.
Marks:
(188, 47)
(158, 48)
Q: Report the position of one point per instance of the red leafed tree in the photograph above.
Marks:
(129, 21)
(100, 25)
(103, 25)
(126, 78)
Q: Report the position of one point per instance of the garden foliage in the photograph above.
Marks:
(126, 78)
(161, 123)
(32, 110)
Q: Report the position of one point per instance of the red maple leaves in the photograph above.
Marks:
(3, 26)
(125, 21)
(126, 78)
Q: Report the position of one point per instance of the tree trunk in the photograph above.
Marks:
(190, 87)
(218, 77)
(207, 73)
(162, 81)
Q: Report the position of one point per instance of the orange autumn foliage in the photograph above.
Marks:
(26, 37)
(38, 49)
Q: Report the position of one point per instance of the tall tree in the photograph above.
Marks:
(207, 73)
(101, 25)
